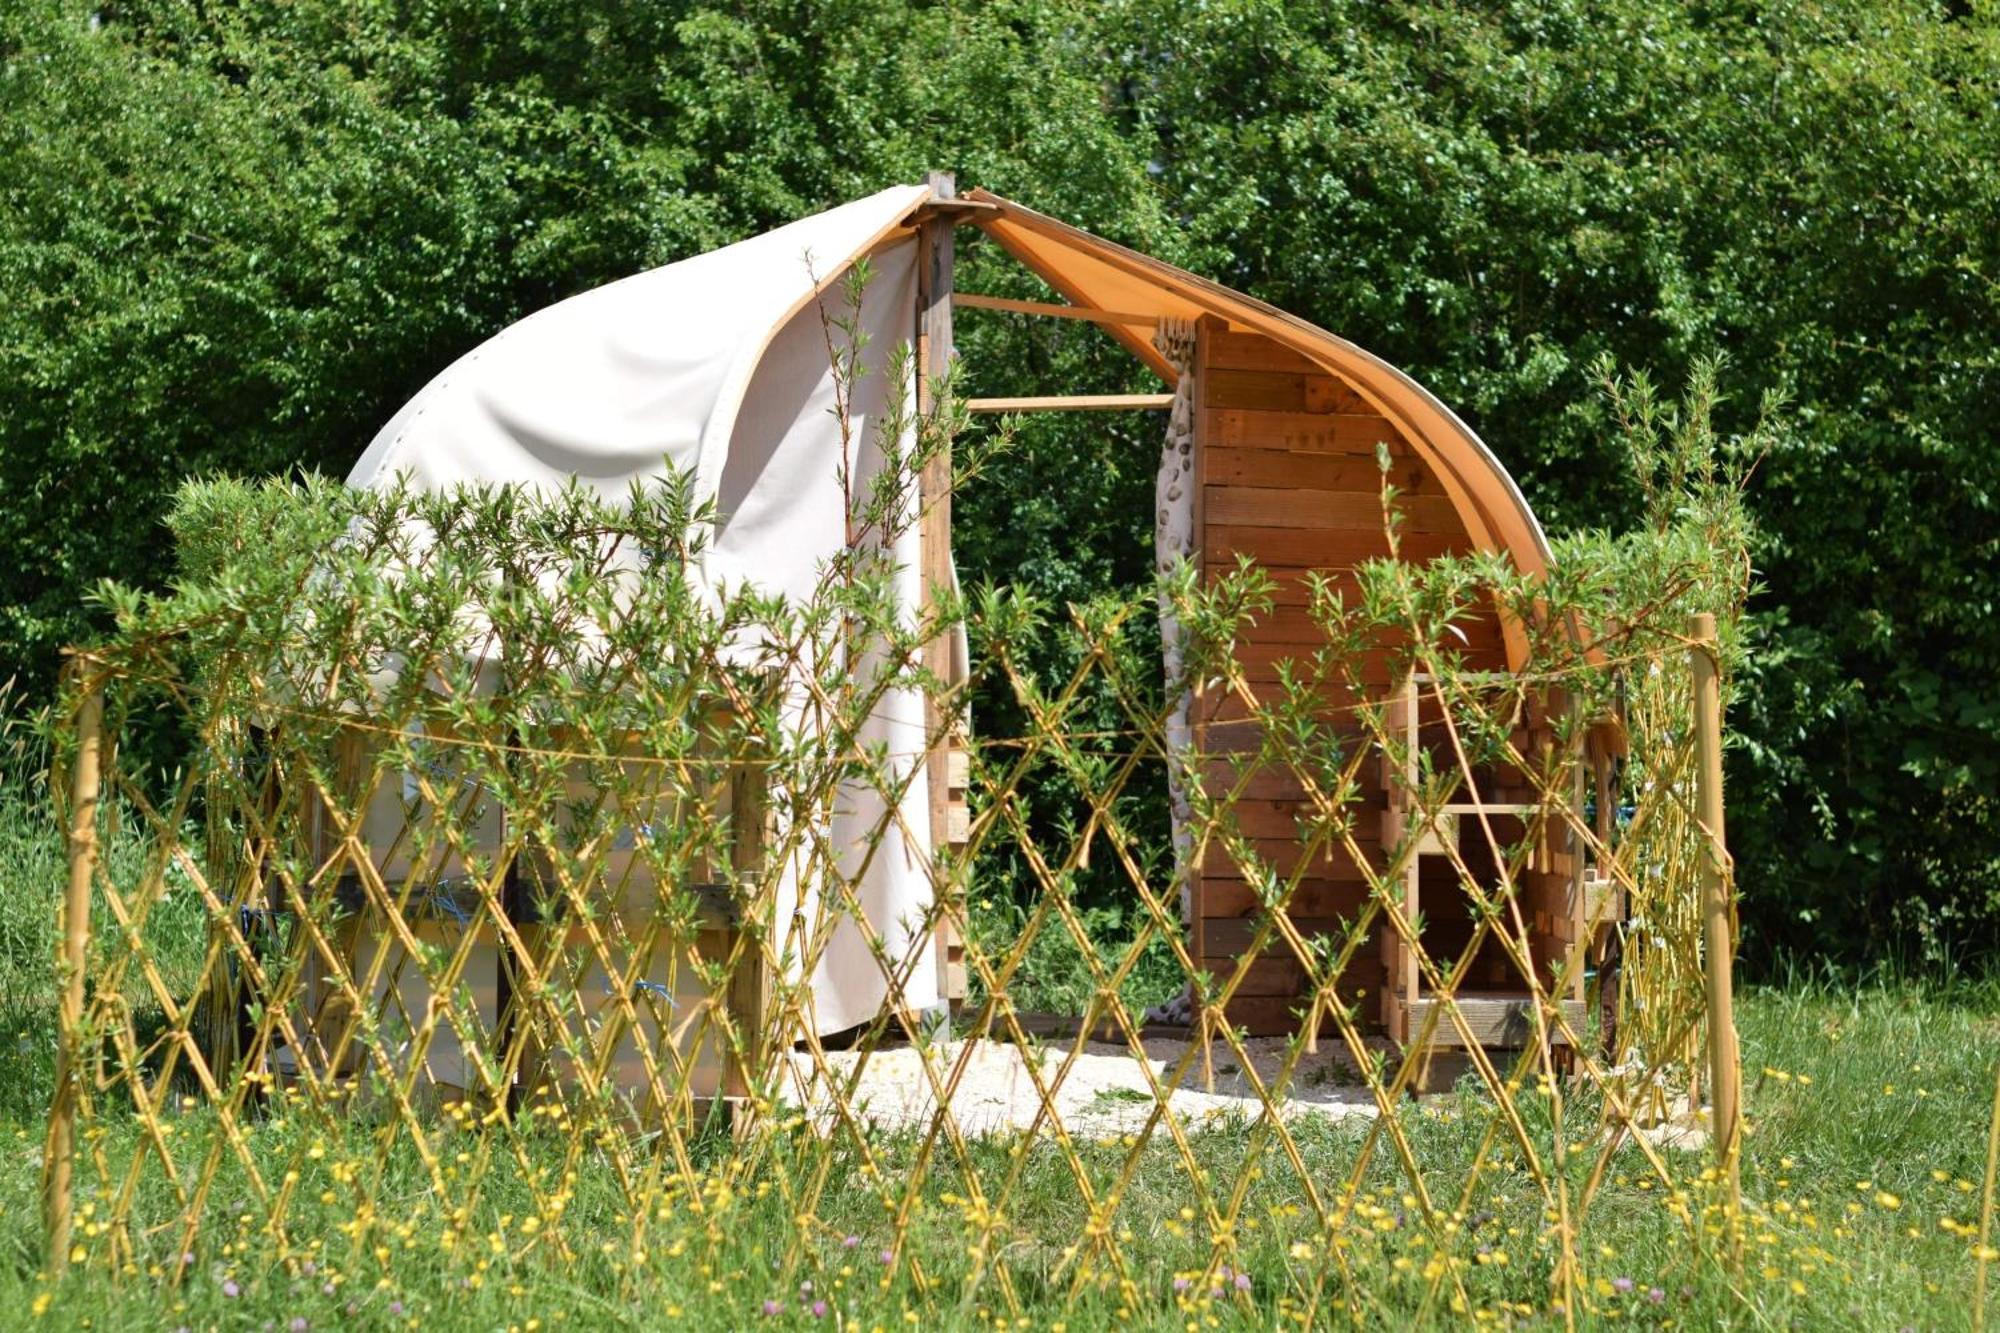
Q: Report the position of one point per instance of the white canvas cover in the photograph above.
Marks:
(718, 363)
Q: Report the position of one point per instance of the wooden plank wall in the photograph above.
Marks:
(1288, 475)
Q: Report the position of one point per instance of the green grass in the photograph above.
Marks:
(1868, 1105)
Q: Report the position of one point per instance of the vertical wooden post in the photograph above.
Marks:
(750, 988)
(1717, 909)
(935, 258)
(61, 1151)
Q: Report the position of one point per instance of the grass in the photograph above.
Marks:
(1868, 1104)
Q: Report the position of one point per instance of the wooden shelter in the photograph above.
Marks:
(1286, 422)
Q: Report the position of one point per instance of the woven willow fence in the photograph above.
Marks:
(490, 869)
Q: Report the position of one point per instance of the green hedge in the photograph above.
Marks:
(240, 236)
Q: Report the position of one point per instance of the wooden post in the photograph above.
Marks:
(1717, 909)
(935, 258)
(61, 1152)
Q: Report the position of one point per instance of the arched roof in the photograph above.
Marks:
(1099, 274)
(616, 384)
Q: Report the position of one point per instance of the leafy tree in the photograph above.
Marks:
(239, 236)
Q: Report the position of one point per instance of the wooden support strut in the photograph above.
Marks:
(1717, 907)
(935, 260)
(60, 1154)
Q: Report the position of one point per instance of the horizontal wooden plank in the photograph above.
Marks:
(1357, 472)
(1356, 433)
(1231, 937)
(1298, 625)
(1333, 704)
(1266, 976)
(1236, 739)
(1279, 391)
(1293, 586)
(1078, 402)
(1256, 818)
(1260, 662)
(1280, 977)
(1265, 782)
(1284, 855)
(1218, 899)
(1501, 1022)
(1253, 351)
(1297, 507)
(1223, 543)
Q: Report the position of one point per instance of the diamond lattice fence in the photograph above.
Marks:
(489, 909)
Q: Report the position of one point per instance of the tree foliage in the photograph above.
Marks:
(239, 236)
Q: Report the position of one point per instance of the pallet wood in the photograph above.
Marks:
(1296, 625)
(1266, 976)
(1349, 433)
(1232, 898)
(1263, 782)
(1308, 509)
(1254, 351)
(1260, 662)
(1357, 473)
(1286, 855)
(1501, 1022)
(1282, 818)
(1286, 977)
(1279, 391)
(1321, 549)
(1231, 937)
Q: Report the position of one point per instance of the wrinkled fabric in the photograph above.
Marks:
(718, 365)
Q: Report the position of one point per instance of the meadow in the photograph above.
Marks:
(1864, 1176)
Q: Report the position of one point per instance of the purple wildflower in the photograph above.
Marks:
(1656, 1296)
(1243, 1282)
(819, 1309)
(850, 1242)
(1182, 1283)
(1622, 1285)
(230, 1289)
(298, 1324)
(888, 1256)
(395, 1307)
(773, 1308)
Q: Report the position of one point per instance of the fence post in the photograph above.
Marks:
(61, 1153)
(1718, 945)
